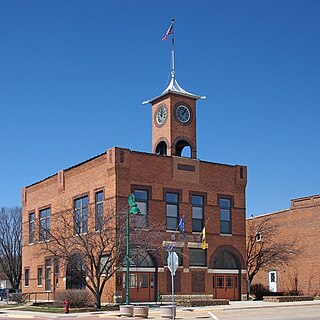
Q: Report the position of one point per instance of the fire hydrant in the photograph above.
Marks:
(66, 306)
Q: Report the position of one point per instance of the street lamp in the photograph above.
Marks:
(133, 209)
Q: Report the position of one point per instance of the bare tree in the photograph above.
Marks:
(100, 243)
(265, 249)
(10, 244)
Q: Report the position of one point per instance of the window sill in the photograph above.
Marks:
(172, 231)
(226, 234)
(80, 234)
(198, 267)
(44, 241)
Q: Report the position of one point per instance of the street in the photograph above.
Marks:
(292, 312)
(282, 313)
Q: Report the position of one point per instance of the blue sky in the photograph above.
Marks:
(73, 75)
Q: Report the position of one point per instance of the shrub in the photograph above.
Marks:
(294, 292)
(77, 298)
(17, 297)
(259, 290)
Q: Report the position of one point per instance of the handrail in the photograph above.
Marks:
(28, 295)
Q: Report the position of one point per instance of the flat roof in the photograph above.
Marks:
(132, 151)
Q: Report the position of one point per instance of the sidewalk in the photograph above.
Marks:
(154, 311)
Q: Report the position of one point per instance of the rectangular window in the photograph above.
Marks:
(133, 280)
(197, 213)
(197, 258)
(26, 277)
(141, 220)
(81, 215)
(48, 275)
(229, 282)
(105, 264)
(172, 210)
(99, 210)
(225, 216)
(220, 281)
(31, 227)
(40, 277)
(44, 228)
(56, 272)
(144, 280)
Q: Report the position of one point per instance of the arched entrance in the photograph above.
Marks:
(76, 273)
(142, 277)
(226, 263)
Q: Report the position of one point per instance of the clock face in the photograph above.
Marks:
(183, 114)
(161, 115)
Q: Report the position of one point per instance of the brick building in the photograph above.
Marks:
(300, 223)
(167, 186)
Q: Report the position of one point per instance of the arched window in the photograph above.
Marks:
(140, 258)
(183, 149)
(161, 149)
(76, 273)
(225, 260)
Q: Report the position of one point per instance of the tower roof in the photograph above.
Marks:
(174, 87)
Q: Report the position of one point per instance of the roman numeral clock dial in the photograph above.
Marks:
(183, 114)
(161, 115)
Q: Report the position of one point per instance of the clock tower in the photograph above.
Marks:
(174, 120)
(174, 116)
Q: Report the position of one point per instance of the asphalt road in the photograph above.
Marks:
(297, 312)
(280, 313)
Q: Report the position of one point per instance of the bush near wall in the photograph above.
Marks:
(259, 291)
(18, 297)
(77, 298)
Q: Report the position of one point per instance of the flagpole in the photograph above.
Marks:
(179, 223)
(172, 52)
(204, 236)
(206, 222)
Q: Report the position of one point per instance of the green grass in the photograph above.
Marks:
(52, 309)
(10, 306)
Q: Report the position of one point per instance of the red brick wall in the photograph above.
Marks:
(172, 128)
(116, 172)
(300, 222)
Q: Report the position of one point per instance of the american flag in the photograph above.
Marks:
(170, 31)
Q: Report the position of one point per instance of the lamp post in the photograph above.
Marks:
(133, 209)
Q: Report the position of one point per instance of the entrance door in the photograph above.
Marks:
(141, 287)
(226, 286)
(273, 281)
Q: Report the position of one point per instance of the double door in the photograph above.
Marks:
(141, 286)
(226, 286)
